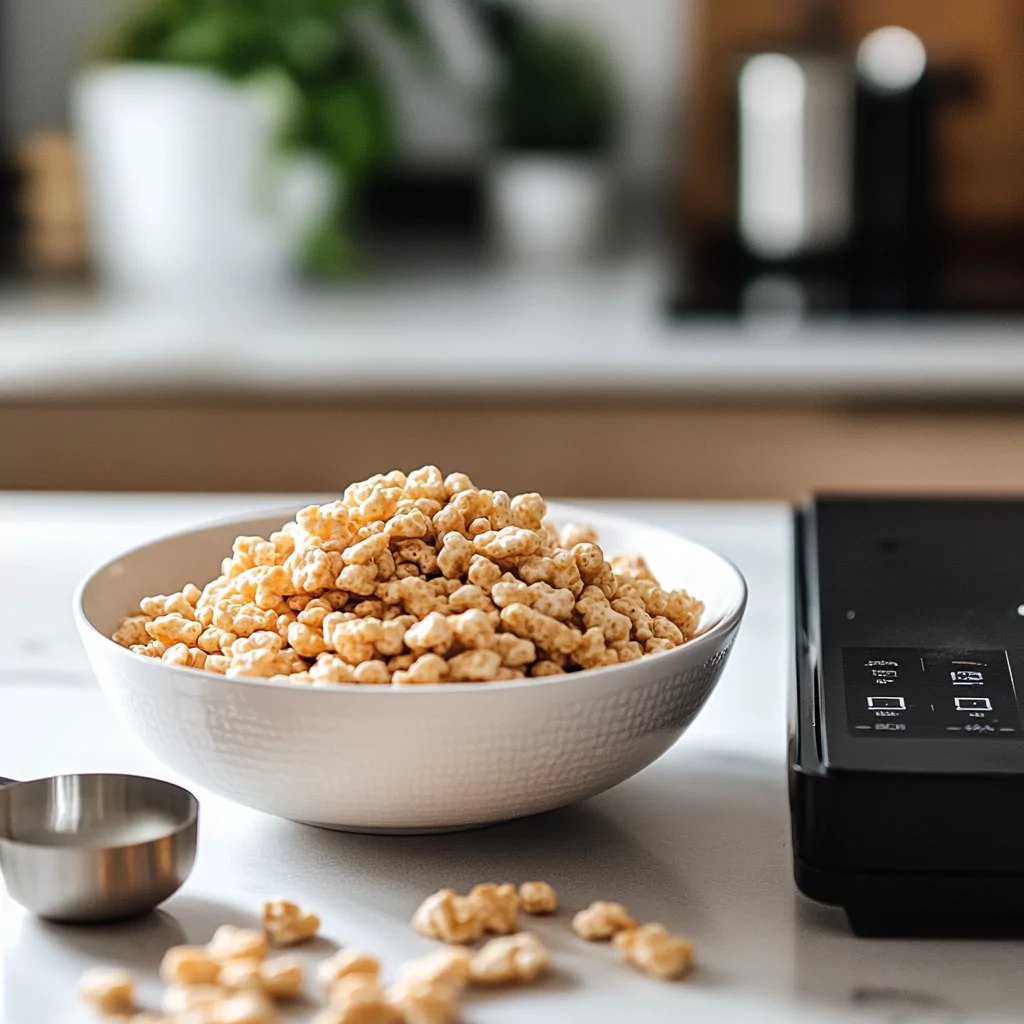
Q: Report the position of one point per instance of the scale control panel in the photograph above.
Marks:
(909, 691)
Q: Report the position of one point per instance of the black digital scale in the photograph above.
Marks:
(906, 736)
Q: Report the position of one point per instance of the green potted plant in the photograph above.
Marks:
(222, 139)
(554, 119)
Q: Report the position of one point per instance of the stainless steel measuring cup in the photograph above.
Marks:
(86, 848)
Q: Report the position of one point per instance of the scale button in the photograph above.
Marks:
(972, 703)
(962, 677)
(887, 704)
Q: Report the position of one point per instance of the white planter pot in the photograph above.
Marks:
(549, 208)
(186, 195)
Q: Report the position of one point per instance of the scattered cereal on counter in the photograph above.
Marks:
(282, 978)
(287, 923)
(510, 959)
(652, 949)
(447, 968)
(497, 907)
(601, 920)
(230, 942)
(359, 999)
(537, 898)
(344, 963)
(420, 1003)
(182, 999)
(108, 989)
(448, 917)
(241, 1008)
(189, 965)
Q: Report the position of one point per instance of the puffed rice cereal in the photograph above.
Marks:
(537, 898)
(108, 989)
(652, 949)
(601, 921)
(412, 580)
(513, 958)
(287, 923)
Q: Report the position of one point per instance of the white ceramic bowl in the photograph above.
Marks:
(429, 758)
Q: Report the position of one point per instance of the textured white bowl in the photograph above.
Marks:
(427, 758)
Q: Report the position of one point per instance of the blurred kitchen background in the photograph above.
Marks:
(657, 248)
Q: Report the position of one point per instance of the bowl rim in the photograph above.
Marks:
(708, 639)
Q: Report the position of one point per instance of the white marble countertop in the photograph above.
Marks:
(699, 840)
(592, 331)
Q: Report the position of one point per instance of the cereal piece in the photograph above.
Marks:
(419, 553)
(410, 525)
(287, 924)
(131, 631)
(496, 907)
(241, 1008)
(282, 978)
(448, 917)
(666, 629)
(593, 605)
(358, 579)
(260, 663)
(477, 666)
(473, 629)
(426, 483)
(174, 629)
(652, 949)
(547, 600)
(601, 920)
(469, 597)
(509, 543)
(359, 999)
(515, 652)
(232, 943)
(188, 965)
(331, 670)
(511, 591)
(434, 632)
(445, 968)
(544, 631)
(592, 651)
(372, 673)
(214, 640)
(306, 640)
(418, 1003)
(218, 663)
(546, 668)
(513, 958)
(635, 610)
(656, 645)
(240, 975)
(455, 482)
(455, 555)
(179, 999)
(426, 670)
(344, 963)
(108, 989)
(537, 898)
(483, 573)
(528, 511)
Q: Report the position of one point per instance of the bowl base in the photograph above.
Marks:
(432, 830)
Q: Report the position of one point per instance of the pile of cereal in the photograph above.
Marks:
(411, 580)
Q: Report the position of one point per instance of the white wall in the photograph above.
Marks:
(45, 40)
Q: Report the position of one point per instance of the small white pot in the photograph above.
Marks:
(187, 197)
(549, 208)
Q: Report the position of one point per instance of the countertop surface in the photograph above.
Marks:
(698, 840)
(499, 332)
